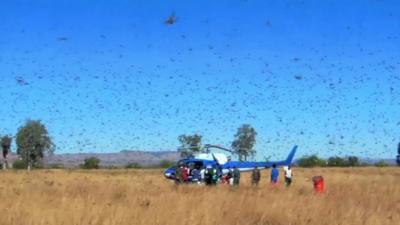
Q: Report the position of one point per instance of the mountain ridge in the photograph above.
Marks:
(115, 159)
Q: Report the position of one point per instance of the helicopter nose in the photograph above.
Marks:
(168, 173)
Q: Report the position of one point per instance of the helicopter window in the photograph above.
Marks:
(181, 162)
(191, 164)
(198, 164)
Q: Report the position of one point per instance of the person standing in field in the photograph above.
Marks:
(209, 175)
(195, 175)
(236, 176)
(274, 175)
(288, 175)
(202, 174)
(179, 174)
(255, 176)
(185, 174)
(215, 177)
(230, 176)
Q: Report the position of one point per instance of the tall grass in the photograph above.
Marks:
(353, 196)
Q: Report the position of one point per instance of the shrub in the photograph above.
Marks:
(133, 166)
(110, 167)
(91, 163)
(55, 166)
(166, 163)
(20, 165)
(381, 164)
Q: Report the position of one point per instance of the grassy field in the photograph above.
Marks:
(353, 196)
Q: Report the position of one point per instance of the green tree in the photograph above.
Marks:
(353, 161)
(311, 161)
(337, 161)
(91, 163)
(244, 142)
(190, 145)
(6, 146)
(33, 142)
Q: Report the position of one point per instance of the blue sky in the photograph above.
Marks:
(110, 75)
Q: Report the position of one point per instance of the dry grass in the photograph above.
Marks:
(354, 196)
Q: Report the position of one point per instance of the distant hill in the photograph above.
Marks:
(391, 162)
(118, 159)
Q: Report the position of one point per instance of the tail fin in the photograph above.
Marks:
(286, 162)
(290, 157)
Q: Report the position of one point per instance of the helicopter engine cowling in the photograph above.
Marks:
(220, 158)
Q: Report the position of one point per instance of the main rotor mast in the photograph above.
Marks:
(208, 146)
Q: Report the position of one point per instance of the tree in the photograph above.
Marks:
(337, 161)
(311, 161)
(190, 145)
(33, 142)
(6, 146)
(398, 155)
(353, 161)
(91, 163)
(245, 139)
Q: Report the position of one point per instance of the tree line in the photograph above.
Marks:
(335, 161)
(33, 142)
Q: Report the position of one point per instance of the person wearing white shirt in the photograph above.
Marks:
(288, 175)
(202, 174)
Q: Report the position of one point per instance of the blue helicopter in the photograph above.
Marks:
(223, 163)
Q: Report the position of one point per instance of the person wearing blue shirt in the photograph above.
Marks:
(274, 174)
(196, 175)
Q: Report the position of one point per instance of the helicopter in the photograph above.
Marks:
(207, 159)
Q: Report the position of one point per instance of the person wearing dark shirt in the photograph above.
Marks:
(255, 176)
(236, 176)
(209, 175)
(179, 174)
(229, 176)
(196, 175)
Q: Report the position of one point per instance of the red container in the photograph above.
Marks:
(319, 185)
